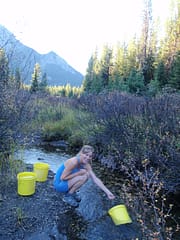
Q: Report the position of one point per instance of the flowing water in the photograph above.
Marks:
(34, 155)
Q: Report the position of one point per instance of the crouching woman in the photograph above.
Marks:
(74, 173)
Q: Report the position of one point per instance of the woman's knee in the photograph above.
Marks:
(82, 178)
(83, 172)
(85, 177)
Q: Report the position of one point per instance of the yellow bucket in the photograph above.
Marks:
(41, 170)
(26, 183)
(119, 214)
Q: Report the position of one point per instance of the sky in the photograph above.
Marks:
(74, 28)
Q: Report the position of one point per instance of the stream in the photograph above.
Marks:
(33, 155)
(91, 216)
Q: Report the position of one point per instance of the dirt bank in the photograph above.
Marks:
(33, 217)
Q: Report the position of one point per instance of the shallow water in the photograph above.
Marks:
(34, 155)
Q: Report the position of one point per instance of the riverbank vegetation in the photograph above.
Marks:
(136, 137)
(127, 108)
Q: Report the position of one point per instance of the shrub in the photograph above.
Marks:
(140, 139)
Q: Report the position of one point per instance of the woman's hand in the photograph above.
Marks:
(110, 195)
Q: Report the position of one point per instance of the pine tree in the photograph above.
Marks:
(161, 76)
(132, 55)
(92, 78)
(171, 43)
(18, 81)
(89, 74)
(95, 82)
(135, 82)
(36, 78)
(175, 72)
(4, 69)
(145, 54)
(120, 62)
(43, 83)
(106, 66)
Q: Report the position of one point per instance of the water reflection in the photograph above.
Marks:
(33, 155)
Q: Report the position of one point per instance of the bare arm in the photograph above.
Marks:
(100, 184)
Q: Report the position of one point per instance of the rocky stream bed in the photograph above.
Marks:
(44, 216)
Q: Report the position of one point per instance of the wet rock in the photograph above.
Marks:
(94, 208)
(62, 145)
(105, 229)
(92, 205)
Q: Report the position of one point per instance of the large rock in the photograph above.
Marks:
(94, 208)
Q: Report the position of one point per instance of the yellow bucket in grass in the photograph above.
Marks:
(119, 214)
(26, 183)
(41, 170)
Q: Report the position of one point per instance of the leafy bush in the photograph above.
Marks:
(137, 128)
(139, 138)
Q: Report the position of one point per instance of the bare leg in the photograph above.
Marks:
(76, 182)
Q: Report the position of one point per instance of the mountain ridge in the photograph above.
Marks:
(20, 56)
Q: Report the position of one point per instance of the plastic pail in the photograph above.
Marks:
(119, 215)
(26, 183)
(41, 170)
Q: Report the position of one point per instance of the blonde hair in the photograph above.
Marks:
(86, 149)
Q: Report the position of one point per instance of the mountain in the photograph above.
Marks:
(58, 71)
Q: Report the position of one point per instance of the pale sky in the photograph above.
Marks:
(74, 28)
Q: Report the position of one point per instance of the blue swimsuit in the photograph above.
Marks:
(62, 185)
